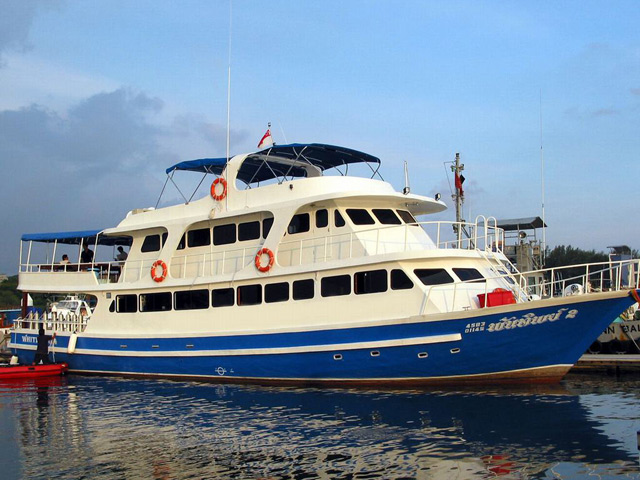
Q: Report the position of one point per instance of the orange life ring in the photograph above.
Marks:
(222, 181)
(267, 267)
(163, 266)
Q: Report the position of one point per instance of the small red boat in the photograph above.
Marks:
(9, 372)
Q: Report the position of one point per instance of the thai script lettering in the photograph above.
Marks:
(528, 319)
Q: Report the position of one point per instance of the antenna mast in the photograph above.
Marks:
(229, 84)
(544, 228)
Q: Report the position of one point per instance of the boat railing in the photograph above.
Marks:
(582, 278)
(53, 321)
(392, 238)
(559, 282)
(104, 272)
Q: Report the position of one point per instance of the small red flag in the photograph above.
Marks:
(459, 180)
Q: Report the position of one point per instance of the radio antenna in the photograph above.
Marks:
(544, 228)
(229, 83)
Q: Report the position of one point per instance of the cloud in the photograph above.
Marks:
(15, 23)
(86, 167)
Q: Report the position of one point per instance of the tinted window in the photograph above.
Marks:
(250, 295)
(199, 238)
(433, 276)
(266, 226)
(400, 280)
(333, 286)
(299, 223)
(407, 217)
(322, 218)
(192, 300)
(248, 231)
(222, 297)
(224, 234)
(276, 292)
(126, 303)
(386, 216)
(155, 302)
(360, 216)
(373, 281)
(303, 289)
(468, 274)
(338, 219)
(151, 243)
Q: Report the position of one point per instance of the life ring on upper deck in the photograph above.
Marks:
(154, 271)
(259, 265)
(223, 182)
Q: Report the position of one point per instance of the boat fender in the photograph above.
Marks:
(259, 265)
(154, 271)
(71, 348)
(215, 183)
(14, 360)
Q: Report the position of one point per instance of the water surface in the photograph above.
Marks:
(113, 428)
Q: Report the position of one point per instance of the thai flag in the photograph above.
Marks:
(266, 140)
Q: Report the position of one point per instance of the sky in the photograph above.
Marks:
(99, 97)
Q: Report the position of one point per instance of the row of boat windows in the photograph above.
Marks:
(371, 281)
(231, 233)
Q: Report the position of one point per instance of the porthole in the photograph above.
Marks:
(337, 356)
(375, 353)
(423, 355)
(455, 350)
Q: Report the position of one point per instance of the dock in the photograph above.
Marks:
(610, 364)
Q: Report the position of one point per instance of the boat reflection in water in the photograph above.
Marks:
(114, 428)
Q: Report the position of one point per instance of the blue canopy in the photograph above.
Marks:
(75, 238)
(264, 165)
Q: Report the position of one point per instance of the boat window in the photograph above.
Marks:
(469, 275)
(322, 218)
(182, 243)
(224, 234)
(126, 304)
(191, 300)
(112, 306)
(248, 231)
(266, 226)
(250, 294)
(152, 243)
(338, 219)
(373, 281)
(506, 277)
(222, 297)
(433, 276)
(360, 216)
(406, 216)
(334, 286)
(400, 280)
(299, 224)
(155, 302)
(386, 216)
(303, 289)
(276, 292)
(199, 238)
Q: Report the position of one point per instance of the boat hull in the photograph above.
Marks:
(523, 343)
(15, 372)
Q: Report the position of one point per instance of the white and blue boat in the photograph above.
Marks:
(292, 270)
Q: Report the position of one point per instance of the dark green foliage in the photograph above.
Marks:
(9, 296)
(561, 256)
